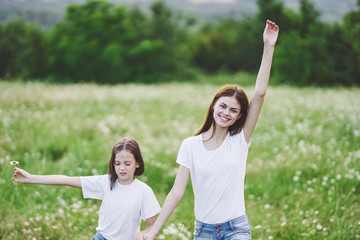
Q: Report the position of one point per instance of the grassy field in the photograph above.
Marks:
(302, 179)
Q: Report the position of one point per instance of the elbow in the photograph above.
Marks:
(176, 195)
(260, 94)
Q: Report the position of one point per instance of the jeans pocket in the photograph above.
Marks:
(242, 227)
(197, 231)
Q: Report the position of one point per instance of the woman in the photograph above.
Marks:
(215, 157)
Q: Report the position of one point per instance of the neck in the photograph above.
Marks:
(217, 134)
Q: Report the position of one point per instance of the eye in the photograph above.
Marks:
(234, 110)
(223, 106)
(117, 163)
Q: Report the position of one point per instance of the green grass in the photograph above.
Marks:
(302, 179)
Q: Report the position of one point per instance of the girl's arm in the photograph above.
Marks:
(171, 201)
(150, 222)
(270, 36)
(23, 176)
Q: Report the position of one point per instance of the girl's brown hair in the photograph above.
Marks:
(132, 147)
(227, 91)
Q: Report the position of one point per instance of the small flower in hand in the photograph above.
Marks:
(14, 163)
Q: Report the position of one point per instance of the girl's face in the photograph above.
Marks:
(125, 166)
(226, 111)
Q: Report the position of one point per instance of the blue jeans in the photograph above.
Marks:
(98, 236)
(236, 229)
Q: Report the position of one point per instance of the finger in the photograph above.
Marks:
(272, 25)
(16, 173)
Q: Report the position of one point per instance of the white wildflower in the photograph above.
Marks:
(318, 226)
(257, 226)
(14, 163)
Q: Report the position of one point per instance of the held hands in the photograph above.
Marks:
(139, 236)
(21, 175)
(270, 33)
(148, 236)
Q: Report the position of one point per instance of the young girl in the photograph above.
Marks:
(124, 198)
(215, 158)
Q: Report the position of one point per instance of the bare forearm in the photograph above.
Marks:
(263, 76)
(171, 201)
(55, 180)
(22, 176)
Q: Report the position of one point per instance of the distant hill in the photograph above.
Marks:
(47, 12)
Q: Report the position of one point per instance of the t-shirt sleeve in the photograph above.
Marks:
(94, 186)
(150, 206)
(243, 140)
(183, 157)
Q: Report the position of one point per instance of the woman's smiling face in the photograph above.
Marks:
(226, 111)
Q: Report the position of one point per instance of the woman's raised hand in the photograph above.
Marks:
(270, 33)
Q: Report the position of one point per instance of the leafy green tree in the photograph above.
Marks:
(90, 44)
(342, 61)
(352, 26)
(105, 43)
(21, 50)
(315, 54)
(309, 16)
(214, 46)
(236, 45)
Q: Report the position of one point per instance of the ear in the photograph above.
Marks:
(137, 165)
(239, 116)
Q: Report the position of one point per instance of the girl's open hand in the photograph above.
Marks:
(21, 175)
(270, 33)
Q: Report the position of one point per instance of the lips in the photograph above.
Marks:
(224, 119)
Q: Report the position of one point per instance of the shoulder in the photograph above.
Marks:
(239, 137)
(143, 188)
(190, 143)
(141, 185)
(100, 179)
(192, 139)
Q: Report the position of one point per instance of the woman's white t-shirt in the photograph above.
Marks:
(121, 207)
(217, 177)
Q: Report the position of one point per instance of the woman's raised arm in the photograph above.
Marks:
(269, 36)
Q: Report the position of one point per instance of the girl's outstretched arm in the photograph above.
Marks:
(269, 36)
(23, 176)
(171, 201)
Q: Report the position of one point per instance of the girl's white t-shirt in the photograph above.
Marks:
(217, 177)
(121, 207)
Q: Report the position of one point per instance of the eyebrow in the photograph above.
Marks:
(227, 105)
(126, 161)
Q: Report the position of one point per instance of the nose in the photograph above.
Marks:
(122, 166)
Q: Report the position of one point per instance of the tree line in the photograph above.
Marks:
(105, 43)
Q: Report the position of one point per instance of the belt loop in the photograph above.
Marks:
(231, 225)
(201, 225)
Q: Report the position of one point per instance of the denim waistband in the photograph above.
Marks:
(225, 226)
